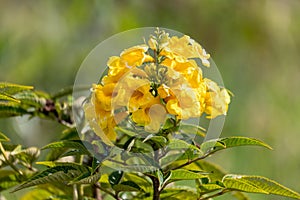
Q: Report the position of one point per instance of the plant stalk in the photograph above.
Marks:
(156, 192)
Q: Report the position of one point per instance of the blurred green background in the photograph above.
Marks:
(255, 44)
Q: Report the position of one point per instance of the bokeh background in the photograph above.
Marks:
(255, 44)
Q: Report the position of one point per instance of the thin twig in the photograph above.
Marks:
(191, 161)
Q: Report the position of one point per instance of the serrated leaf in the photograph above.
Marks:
(11, 88)
(243, 141)
(257, 184)
(183, 174)
(87, 179)
(3, 137)
(74, 144)
(62, 164)
(5, 97)
(229, 142)
(236, 183)
(30, 98)
(11, 109)
(60, 174)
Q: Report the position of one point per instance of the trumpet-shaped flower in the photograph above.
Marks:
(148, 83)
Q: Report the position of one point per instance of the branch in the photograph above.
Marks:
(191, 161)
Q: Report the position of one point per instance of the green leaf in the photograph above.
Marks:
(212, 145)
(243, 141)
(179, 192)
(86, 178)
(5, 97)
(159, 140)
(68, 91)
(215, 173)
(30, 99)
(192, 129)
(115, 177)
(127, 186)
(57, 174)
(74, 144)
(181, 145)
(257, 184)
(8, 179)
(10, 109)
(3, 138)
(239, 195)
(11, 88)
(70, 134)
(224, 143)
(47, 191)
(37, 194)
(140, 180)
(210, 187)
(125, 131)
(183, 174)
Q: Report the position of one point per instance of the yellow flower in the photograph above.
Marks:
(184, 48)
(151, 115)
(134, 56)
(132, 92)
(137, 87)
(101, 121)
(180, 46)
(200, 52)
(188, 69)
(103, 96)
(129, 59)
(184, 103)
(217, 99)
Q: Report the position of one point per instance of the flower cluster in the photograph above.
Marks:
(152, 82)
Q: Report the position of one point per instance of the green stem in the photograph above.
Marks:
(190, 162)
(156, 192)
(2, 150)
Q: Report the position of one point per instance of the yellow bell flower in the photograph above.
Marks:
(135, 56)
(217, 99)
(151, 115)
(184, 103)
